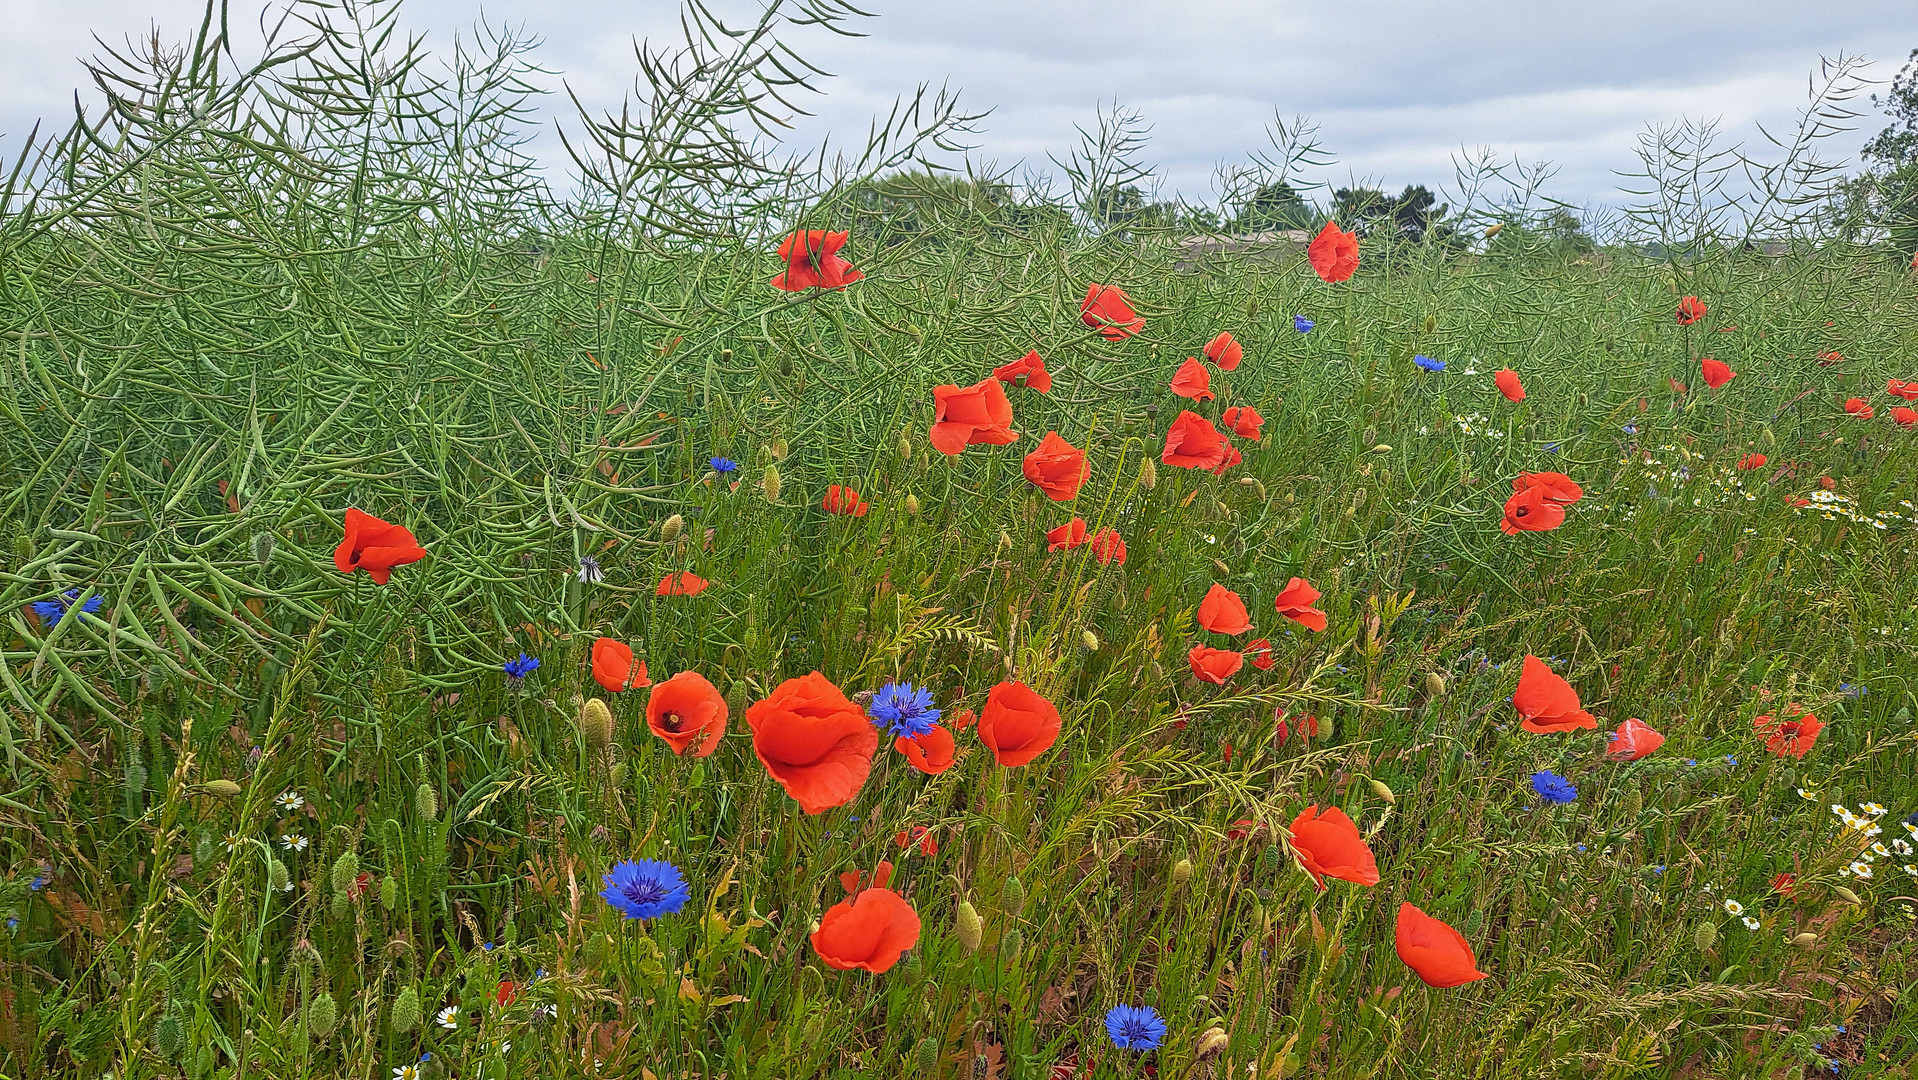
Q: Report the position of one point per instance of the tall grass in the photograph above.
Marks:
(254, 293)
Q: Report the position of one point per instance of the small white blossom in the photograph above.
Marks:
(1862, 869)
(1750, 923)
(289, 801)
(405, 1072)
(1734, 907)
(293, 842)
(232, 842)
(448, 1018)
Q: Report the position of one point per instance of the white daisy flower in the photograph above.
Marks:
(293, 842)
(1734, 907)
(1810, 795)
(1872, 808)
(448, 1018)
(1862, 869)
(406, 1072)
(1750, 923)
(1910, 869)
(232, 842)
(1901, 847)
(1873, 831)
(289, 801)
(1879, 848)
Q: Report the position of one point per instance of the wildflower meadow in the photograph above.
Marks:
(766, 621)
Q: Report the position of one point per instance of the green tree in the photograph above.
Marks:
(1887, 197)
(1274, 207)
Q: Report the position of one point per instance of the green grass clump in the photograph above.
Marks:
(268, 819)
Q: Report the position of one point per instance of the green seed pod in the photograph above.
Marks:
(341, 907)
(225, 789)
(277, 877)
(770, 483)
(1434, 684)
(426, 802)
(968, 926)
(1705, 936)
(1634, 804)
(925, 1057)
(1010, 944)
(322, 1013)
(1382, 448)
(346, 868)
(169, 1034)
(670, 529)
(905, 448)
(263, 549)
(1765, 436)
(1805, 940)
(1846, 895)
(1220, 570)
(1148, 474)
(1090, 640)
(1382, 791)
(133, 788)
(1182, 872)
(779, 449)
(738, 696)
(1012, 898)
(405, 1014)
(596, 724)
(1326, 728)
(912, 505)
(616, 776)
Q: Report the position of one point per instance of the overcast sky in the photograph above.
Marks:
(1397, 88)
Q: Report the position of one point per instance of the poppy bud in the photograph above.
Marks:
(596, 724)
(778, 449)
(1434, 684)
(1765, 436)
(1220, 569)
(405, 1014)
(345, 869)
(926, 1057)
(1009, 945)
(968, 927)
(910, 966)
(426, 801)
(1492, 229)
(1012, 897)
(1090, 640)
(1382, 448)
(342, 907)
(1005, 539)
(263, 549)
(1789, 776)
(912, 506)
(225, 789)
(1805, 940)
(169, 1034)
(736, 696)
(1380, 789)
(1212, 1042)
(1148, 474)
(1358, 498)
(1371, 434)
(669, 531)
(1705, 936)
(321, 1014)
(1431, 324)
(1846, 895)
(770, 484)
(1634, 804)
(905, 448)
(1325, 728)
(616, 776)
(277, 877)
(1182, 872)
(389, 892)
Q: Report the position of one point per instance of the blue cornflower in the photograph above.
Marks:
(1691, 761)
(1851, 690)
(13, 922)
(1629, 429)
(645, 889)
(487, 946)
(1553, 788)
(520, 668)
(1426, 363)
(52, 611)
(1302, 324)
(1550, 448)
(903, 711)
(1135, 1027)
(722, 464)
(1730, 760)
(39, 882)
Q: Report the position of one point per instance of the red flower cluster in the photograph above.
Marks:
(1538, 502)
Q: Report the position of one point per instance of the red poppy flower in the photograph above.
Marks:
(1690, 310)
(1903, 389)
(855, 881)
(375, 546)
(1108, 546)
(507, 993)
(931, 753)
(868, 931)
(1334, 254)
(1244, 420)
(1716, 372)
(1558, 487)
(1295, 602)
(1212, 665)
(1329, 845)
(1531, 510)
(1827, 359)
(1067, 536)
(919, 834)
(1633, 740)
(1242, 828)
(1785, 884)
(1795, 735)
(1546, 702)
(1259, 652)
(683, 583)
(1223, 612)
(1225, 351)
(1433, 950)
(688, 712)
(1107, 310)
(1232, 457)
(964, 719)
(1193, 380)
(1857, 407)
(613, 666)
(813, 262)
(1193, 443)
(844, 500)
(1057, 468)
(1903, 416)
(1017, 724)
(1508, 384)
(973, 415)
(1308, 727)
(1028, 371)
(817, 744)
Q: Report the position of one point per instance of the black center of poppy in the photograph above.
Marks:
(671, 722)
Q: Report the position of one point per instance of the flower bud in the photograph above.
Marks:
(770, 484)
(670, 529)
(1705, 936)
(426, 801)
(1148, 475)
(1090, 640)
(278, 879)
(925, 1057)
(779, 449)
(225, 789)
(1182, 872)
(405, 1014)
(912, 506)
(1012, 898)
(263, 549)
(1010, 945)
(1434, 684)
(169, 1034)
(346, 869)
(905, 448)
(1326, 728)
(1212, 1042)
(1382, 448)
(968, 926)
(389, 892)
(1220, 570)
(1846, 895)
(596, 724)
(1805, 940)
(1380, 789)
(321, 1014)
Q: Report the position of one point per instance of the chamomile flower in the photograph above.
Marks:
(1750, 923)
(1872, 808)
(232, 841)
(1879, 848)
(289, 801)
(1910, 869)
(1862, 869)
(293, 842)
(448, 1018)
(406, 1072)
(1811, 796)
(1734, 907)
(1901, 846)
